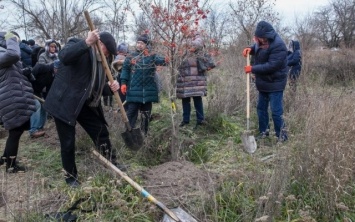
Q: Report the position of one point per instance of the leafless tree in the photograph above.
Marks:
(217, 27)
(304, 32)
(335, 23)
(114, 15)
(344, 11)
(326, 27)
(57, 19)
(247, 13)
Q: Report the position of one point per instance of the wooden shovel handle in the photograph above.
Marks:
(248, 92)
(143, 192)
(108, 74)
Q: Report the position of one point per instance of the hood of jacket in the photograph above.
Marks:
(265, 30)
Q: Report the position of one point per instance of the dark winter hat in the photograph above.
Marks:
(110, 43)
(144, 38)
(122, 48)
(31, 42)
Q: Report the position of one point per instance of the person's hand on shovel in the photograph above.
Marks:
(248, 69)
(115, 86)
(92, 37)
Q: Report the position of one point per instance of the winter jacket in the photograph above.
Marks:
(16, 95)
(46, 57)
(44, 74)
(26, 53)
(138, 74)
(190, 82)
(270, 64)
(72, 82)
(294, 59)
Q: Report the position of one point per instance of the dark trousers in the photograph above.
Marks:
(132, 114)
(12, 143)
(186, 109)
(93, 122)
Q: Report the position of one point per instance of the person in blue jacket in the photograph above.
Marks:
(294, 61)
(270, 69)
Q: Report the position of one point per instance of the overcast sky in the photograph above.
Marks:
(289, 9)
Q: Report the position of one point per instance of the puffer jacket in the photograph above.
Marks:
(190, 82)
(138, 74)
(294, 59)
(270, 64)
(16, 95)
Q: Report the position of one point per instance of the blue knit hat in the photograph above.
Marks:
(122, 48)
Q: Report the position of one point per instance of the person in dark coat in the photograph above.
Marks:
(75, 96)
(192, 82)
(26, 53)
(35, 51)
(138, 82)
(270, 69)
(294, 61)
(16, 98)
(44, 75)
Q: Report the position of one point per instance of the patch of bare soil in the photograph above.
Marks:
(176, 183)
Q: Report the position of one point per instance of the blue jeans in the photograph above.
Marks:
(276, 105)
(38, 118)
(186, 109)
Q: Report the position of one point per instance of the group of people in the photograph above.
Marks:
(77, 82)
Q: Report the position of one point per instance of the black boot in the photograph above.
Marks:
(15, 168)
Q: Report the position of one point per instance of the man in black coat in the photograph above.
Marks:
(75, 96)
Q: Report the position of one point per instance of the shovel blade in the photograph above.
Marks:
(133, 139)
(181, 214)
(249, 143)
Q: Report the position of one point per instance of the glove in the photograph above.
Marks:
(124, 89)
(246, 51)
(247, 69)
(9, 35)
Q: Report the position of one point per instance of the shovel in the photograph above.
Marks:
(248, 140)
(133, 138)
(176, 214)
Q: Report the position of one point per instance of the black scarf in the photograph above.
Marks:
(97, 79)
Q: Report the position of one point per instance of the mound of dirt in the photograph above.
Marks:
(176, 183)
